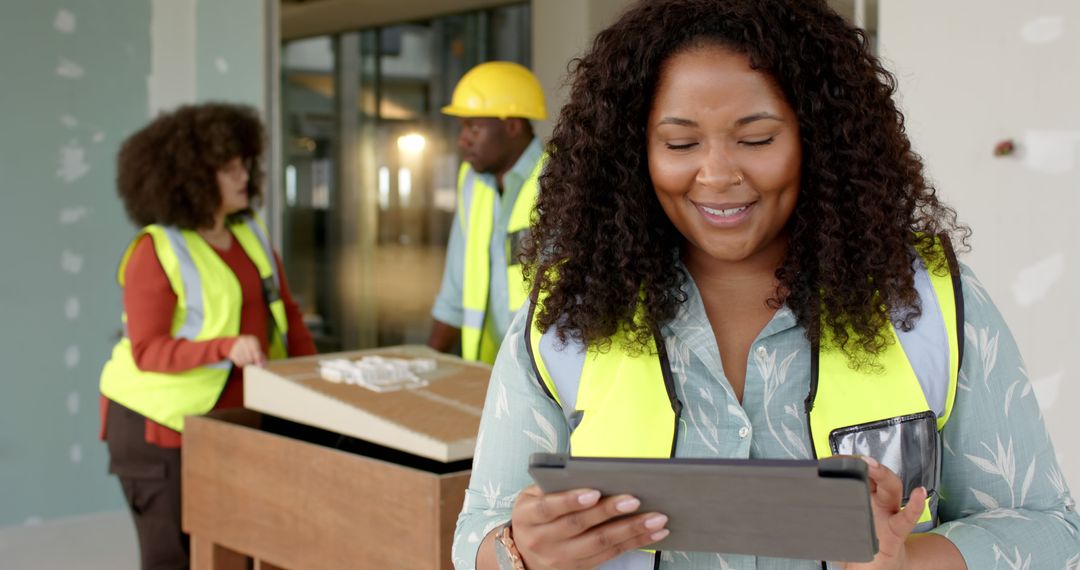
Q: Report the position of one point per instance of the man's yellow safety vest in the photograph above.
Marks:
(626, 404)
(208, 302)
(476, 208)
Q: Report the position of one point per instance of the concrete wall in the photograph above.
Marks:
(78, 77)
(972, 74)
(561, 31)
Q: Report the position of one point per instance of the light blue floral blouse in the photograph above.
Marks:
(1004, 499)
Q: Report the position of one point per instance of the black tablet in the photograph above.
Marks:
(817, 510)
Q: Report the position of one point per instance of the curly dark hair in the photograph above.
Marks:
(602, 245)
(167, 171)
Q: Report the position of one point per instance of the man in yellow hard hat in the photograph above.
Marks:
(482, 283)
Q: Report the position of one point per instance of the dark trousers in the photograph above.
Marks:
(150, 479)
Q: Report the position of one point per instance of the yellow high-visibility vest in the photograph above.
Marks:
(476, 208)
(208, 303)
(626, 404)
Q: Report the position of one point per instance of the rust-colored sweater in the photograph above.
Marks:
(149, 302)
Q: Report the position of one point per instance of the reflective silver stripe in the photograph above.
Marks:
(189, 275)
(474, 319)
(270, 259)
(254, 227)
(564, 363)
(466, 197)
(222, 365)
(927, 344)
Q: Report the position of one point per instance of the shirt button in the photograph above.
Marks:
(762, 351)
(744, 431)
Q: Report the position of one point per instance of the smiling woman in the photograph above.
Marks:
(724, 154)
(736, 255)
(854, 169)
(725, 160)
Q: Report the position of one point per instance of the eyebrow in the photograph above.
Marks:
(763, 116)
(679, 121)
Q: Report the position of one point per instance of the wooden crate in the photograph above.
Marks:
(292, 504)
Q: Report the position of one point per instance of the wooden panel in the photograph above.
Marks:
(309, 507)
(451, 498)
(447, 410)
(205, 555)
(264, 565)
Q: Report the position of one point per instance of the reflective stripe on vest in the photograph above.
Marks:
(208, 301)
(476, 208)
(611, 395)
(254, 240)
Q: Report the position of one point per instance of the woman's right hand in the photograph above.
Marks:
(247, 350)
(574, 529)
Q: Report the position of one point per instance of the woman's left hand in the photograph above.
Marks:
(892, 523)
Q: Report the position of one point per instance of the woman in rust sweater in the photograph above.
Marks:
(204, 295)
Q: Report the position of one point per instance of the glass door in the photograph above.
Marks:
(310, 159)
(371, 169)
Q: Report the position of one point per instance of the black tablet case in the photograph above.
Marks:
(817, 510)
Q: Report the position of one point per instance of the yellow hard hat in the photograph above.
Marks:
(500, 89)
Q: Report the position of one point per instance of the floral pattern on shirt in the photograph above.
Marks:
(1004, 501)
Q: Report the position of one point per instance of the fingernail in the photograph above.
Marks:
(655, 521)
(870, 460)
(627, 505)
(659, 535)
(588, 497)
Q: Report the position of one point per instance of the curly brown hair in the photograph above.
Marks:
(602, 245)
(167, 171)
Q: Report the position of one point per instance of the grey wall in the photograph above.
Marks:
(75, 79)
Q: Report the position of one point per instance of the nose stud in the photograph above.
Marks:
(738, 179)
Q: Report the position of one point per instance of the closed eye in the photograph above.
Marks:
(686, 146)
(762, 142)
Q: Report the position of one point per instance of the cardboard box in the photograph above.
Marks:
(282, 488)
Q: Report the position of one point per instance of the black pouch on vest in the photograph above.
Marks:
(516, 241)
(270, 290)
(907, 444)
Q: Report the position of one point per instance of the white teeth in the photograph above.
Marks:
(723, 213)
